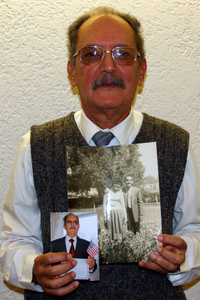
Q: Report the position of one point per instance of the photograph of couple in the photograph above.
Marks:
(121, 184)
(122, 209)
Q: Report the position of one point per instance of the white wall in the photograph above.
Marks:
(34, 85)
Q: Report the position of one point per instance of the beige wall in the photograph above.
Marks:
(34, 86)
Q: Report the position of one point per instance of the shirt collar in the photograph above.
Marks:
(68, 238)
(121, 131)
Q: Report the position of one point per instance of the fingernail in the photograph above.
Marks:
(152, 256)
(73, 274)
(76, 283)
(141, 264)
(159, 249)
(74, 262)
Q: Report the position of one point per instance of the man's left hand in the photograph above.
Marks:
(170, 256)
(91, 262)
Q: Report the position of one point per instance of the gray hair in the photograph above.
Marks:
(74, 28)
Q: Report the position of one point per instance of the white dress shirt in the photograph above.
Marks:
(21, 238)
(69, 244)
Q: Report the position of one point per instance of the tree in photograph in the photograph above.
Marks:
(97, 167)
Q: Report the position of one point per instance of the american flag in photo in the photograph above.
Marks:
(92, 249)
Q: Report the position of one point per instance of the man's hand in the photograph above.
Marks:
(91, 262)
(50, 272)
(170, 256)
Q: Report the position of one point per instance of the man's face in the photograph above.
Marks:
(108, 32)
(129, 181)
(71, 226)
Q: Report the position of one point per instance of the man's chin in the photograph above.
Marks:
(72, 234)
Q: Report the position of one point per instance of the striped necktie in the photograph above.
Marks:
(103, 138)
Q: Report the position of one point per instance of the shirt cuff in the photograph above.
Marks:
(190, 269)
(192, 256)
(27, 273)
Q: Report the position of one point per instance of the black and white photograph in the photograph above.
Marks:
(121, 185)
(77, 233)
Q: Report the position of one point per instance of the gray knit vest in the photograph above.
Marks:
(125, 281)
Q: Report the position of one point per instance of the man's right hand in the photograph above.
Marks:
(50, 272)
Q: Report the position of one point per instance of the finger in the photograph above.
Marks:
(56, 270)
(163, 263)
(63, 290)
(171, 240)
(175, 257)
(152, 266)
(51, 258)
(45, 275)
(58, 282)
(62, 268)
(159, 265)
(55, 283)
(168, 247)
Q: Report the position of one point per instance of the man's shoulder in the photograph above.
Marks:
(51, 123)
(161, 123)
(135, 190)
(155, 129)
(80, 240)
(60, 240)
(58, 245)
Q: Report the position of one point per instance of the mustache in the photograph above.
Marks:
(108, 79)
(72, 227)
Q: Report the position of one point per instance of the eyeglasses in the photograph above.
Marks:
(70, 222)
(92, 55)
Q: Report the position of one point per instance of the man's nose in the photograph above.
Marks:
(108, 64)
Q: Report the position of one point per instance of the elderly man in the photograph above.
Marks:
(106, 64)
(72, 243)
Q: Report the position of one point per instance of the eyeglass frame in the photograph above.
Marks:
(104, 53)
(74, 222)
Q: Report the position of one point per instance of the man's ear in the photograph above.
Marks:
(71, 73)
(143, 69)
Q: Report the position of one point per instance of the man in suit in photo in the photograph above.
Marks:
(71, 243)
(133, 203)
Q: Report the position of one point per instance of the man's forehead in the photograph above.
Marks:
(103, 19)
(71, 217)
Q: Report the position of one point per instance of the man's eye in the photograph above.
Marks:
(123, 53)
(92, 53)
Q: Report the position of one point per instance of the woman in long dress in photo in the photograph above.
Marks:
(115, 216)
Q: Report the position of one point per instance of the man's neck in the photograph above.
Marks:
(71, 237)
(106, 119)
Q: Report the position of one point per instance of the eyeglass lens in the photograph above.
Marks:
(70, 222)
(121, 55)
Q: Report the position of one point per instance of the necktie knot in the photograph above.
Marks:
(103, 138)
(71, 241)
